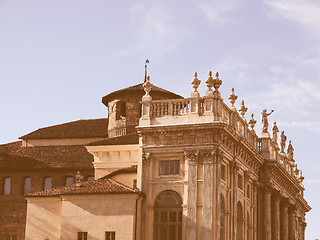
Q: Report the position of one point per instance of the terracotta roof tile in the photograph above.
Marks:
(12, 155)
(99, 186)
(138, 89)
(89, 128)
(121, 140)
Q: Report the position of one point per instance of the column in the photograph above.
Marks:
(267, 213)
(218, 159)
(192, 196)
(207, 160)
(284, 221)
(276, 218)
(292, 222)
(255, 210)
(234, 175)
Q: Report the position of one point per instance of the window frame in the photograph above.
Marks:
(82, 235)
(111, 235)
(44, 183)
(25, 185)
(4, 192)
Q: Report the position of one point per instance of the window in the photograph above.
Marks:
(223, 172)
(169, 167)
(7, 186)
(240, 182)
(69, 181)
(110, 235)
(82, 235)
(121, 110)
(90, 178)
(248, 191)
(47, 183)
(10, 237)
(27, 185)
(134, 185)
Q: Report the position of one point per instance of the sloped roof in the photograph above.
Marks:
(138, 89)
(87, 128)
(14, 156)
(121, 140)
(132, 169)
(99, 186)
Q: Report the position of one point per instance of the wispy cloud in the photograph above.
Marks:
(305, 12)
(310, 181)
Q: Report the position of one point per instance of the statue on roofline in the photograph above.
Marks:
(290, 150)
(265, 124)
(275, 131)
(283, 140)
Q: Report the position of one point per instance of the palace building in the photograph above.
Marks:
(165, 168)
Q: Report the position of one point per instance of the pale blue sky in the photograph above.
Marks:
(59, 57)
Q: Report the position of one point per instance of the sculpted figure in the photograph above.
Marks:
(275, 131)
(264, 116)
(283, 140)
(290, 150)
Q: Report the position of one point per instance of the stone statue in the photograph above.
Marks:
(283, 140)
(275, 131)
(265, 124)
(79, 178)
(290, 150)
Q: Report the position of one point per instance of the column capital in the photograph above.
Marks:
(207, 156)
(145, 157)
(234, 166)
(191, 156)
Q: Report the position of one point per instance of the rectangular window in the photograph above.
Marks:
(223, 172)
(69, 181)
(82, 235)
(47, 183)
(10, 237)
(134, 185)
(110, 235)
(169, 167)
(27, 185)
(7, 186)
(240, 182)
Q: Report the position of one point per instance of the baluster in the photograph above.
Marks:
(166, 109)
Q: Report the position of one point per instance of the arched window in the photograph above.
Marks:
(47, 183)
(69, 181)
(7, 186)
(27, 185)
(168, 216)
(222, 218)
(239, 221)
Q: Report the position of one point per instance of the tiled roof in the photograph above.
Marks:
(132, 169)
(14, 156)
(89, 128)
(121, 140)
(99, 186)
(138, 89)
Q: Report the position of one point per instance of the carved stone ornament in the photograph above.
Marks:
(283, 140)
(209, 83)
(217, 82)
(252, 122)
(147, 88)
(79, 178)
(191, 157)
(232, 98)
(195, 84)
(145, 157)
(207, 156)
(242, 109)
(264, 117)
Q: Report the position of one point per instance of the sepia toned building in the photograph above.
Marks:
(174, 168)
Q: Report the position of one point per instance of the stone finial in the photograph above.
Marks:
(275, 131)
(296, 170)
(264, 117)
(301, 178)
(209, 83)
(242, 109)
(147, 88)
(290, 150)
(217, 82)
(252, 122)
(79, 178)
(283, 140)
(145, 70)
(232, 98)
(195, 84)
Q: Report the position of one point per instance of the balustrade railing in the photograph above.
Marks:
(175, 107)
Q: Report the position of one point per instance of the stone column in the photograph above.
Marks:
(207, 160)
(234, 175)
(267, 213)
(255, 210)
(276, 218)
(284, 221)
(218, 160)
(192, 161)
(292, 222)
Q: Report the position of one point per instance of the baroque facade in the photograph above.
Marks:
(177, 168)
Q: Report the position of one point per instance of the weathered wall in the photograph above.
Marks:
(43, 218)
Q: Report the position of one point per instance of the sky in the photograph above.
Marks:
(58, 58)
